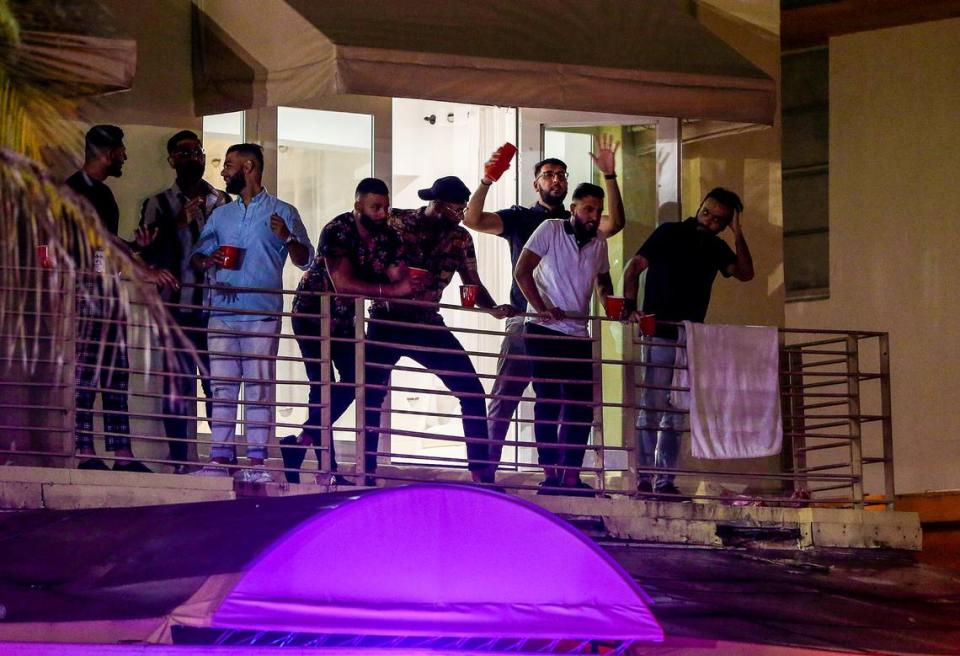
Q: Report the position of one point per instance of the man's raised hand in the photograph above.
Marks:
(606, 156)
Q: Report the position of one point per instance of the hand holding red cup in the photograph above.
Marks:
(614, 307)
(468, 295)
(231, 257)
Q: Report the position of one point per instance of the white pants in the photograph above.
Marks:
(242, 352)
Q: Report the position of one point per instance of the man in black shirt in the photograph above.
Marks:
(681, 260)
(516, 224)
(97, 320)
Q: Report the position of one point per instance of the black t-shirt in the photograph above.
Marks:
(518, 224)
(683, 263)
(100, 197)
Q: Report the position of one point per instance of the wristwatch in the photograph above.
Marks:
(290, 238)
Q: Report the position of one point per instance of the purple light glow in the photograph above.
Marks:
(439, 560)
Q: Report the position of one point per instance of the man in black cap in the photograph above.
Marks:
(434, 241)
(98, 320)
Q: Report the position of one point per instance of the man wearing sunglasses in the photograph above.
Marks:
(170, 223)
(433, 241)
(516, 225)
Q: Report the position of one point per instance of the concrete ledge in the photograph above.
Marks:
(625, 518)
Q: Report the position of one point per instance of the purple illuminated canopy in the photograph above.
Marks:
(437, 560)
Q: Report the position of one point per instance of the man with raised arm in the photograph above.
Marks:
(516, 225)
(681, 260)
(561, 264)
(358, 253)
(245, 325)
(434, 240)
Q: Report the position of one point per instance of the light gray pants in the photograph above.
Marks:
(244, 356)
(514, 373)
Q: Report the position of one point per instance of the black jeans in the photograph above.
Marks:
(183, 383)
(558, 420)
(464, 384)
(342, 356)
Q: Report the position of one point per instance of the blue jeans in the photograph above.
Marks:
(658, 423)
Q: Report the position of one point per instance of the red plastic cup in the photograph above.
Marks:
(648, 324)
(506, 153)
(44, 258)
(231, 257)
(614, 307)
(417, 273)
(468, 295)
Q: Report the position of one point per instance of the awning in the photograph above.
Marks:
(75, 64)
(647, 58)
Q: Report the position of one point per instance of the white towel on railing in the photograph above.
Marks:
(734, 391)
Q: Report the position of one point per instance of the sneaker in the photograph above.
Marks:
(213, 469)
(670, 492)
(131, 466)
(548, 487)
(181, 469)
(578, 489)
(292, 458)
(255, 476)
(93, 464)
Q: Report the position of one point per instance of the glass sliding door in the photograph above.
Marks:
(321, 156)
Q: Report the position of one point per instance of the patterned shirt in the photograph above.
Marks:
(436, 245)
(370, 261)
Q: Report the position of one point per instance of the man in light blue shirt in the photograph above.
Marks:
(245, 325)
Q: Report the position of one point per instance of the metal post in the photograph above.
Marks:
(326, 434)
(853, 409)
(360, 361)
(629, 430)
(69, 371)
(887, 421)
(596, 329)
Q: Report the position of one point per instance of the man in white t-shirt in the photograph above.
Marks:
(557, 271)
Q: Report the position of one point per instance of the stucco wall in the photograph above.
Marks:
(894, 265)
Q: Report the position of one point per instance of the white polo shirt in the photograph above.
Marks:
(566, 274)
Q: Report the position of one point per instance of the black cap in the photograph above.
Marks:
(449, 190)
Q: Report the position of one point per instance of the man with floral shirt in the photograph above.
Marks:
(358, 253)
(433, 239)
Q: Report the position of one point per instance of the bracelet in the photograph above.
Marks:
(609, 176)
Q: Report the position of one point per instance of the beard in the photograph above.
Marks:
(372, 225)
(547, 197)
(190, 172)
(584, 232)
(236, 183)
(115, 169)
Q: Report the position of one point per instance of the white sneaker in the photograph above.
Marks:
(256, 476)
(212, 470)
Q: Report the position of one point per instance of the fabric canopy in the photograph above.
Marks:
(422, 560)
(77, 64)
(647, 58)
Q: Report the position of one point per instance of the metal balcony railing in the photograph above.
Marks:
(834, 390)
